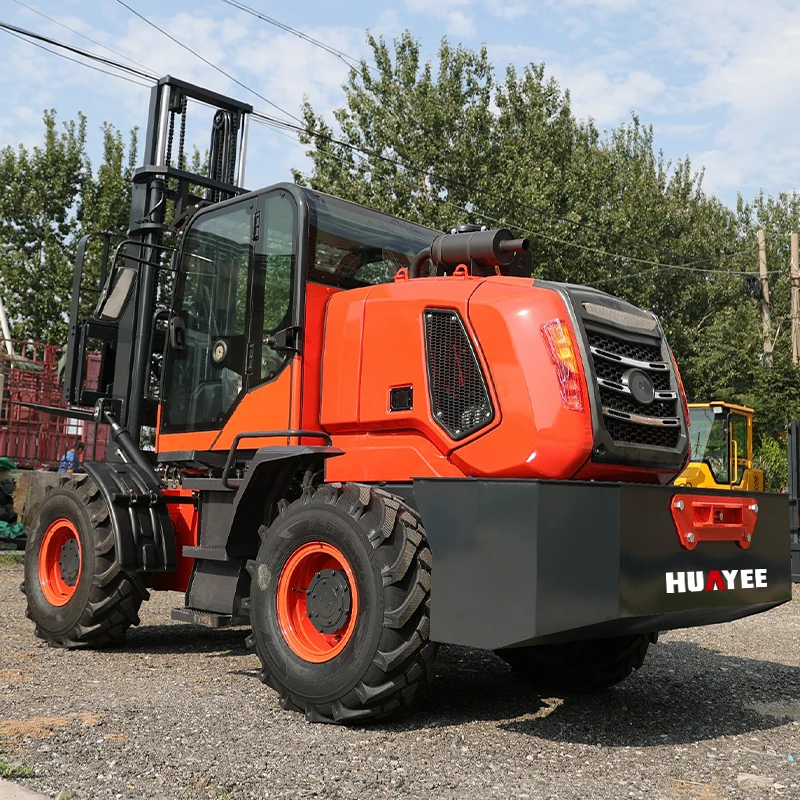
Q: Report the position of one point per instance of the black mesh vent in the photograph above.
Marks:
(630, 433)
(459, 398)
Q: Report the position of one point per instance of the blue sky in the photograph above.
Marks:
(716, 79)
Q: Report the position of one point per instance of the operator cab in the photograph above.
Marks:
(246, 270)
(722, 448)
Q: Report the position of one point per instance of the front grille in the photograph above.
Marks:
(459, 398)
(628, 420)
(613, 371)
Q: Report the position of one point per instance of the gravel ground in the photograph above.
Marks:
(179, 713)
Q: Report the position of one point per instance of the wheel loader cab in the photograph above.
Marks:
(233, 290)
(722, 448)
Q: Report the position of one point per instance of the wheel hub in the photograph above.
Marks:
(328, 600)
(70, 562)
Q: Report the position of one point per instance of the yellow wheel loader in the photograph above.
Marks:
(721, 435)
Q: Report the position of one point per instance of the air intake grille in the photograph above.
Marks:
(459, 398)
(627, 419)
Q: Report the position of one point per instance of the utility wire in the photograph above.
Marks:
(88, 39)
(74, 60)
(85, 53)
(316, 134)
(350, 61)
(429, 173)
(206, 61)
(657, 265)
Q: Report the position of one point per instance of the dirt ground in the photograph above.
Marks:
(180, 713)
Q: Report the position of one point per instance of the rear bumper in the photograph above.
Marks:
(526, 562)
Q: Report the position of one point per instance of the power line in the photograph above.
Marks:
(657, 265)
(206, 61)
(83, 36)
(429, 173)
(85, 53)
(350, 61)
(346, 58)
(425, 173)
(74, 60)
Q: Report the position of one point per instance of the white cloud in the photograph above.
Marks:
(609, 98)
(456, 21)
(508, 10)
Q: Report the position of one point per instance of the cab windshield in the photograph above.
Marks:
(710, 441)
(353, 246)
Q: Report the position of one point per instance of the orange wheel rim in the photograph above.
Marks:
(60, 562)
(317, 602)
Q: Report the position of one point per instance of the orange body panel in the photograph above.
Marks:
(175, 442)
(317, 297)
(361, 343)
(265, 408)
(185, 522)
(538, 437)
(532, 434)
(341, 361)
(394, 456)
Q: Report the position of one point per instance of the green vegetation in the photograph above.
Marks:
(49, 197)
(7, 770)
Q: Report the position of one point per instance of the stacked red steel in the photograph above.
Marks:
(33, 438)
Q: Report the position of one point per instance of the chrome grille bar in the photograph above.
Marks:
(655, 366)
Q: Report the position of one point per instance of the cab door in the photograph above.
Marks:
(743, 474)
(233, 293)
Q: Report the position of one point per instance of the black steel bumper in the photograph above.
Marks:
(525, 562)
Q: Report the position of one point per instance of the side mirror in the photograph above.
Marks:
(177, 334)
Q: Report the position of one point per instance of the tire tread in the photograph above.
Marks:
(397, 671)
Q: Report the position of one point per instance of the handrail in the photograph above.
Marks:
(265, 435)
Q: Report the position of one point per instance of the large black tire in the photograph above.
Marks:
(105, 600)
(579, 667)
(387, 654)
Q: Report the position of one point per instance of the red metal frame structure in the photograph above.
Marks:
(32, 438)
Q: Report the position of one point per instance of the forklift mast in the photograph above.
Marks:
(165, 194)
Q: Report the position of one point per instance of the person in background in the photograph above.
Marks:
(7, 486)
(71, 461)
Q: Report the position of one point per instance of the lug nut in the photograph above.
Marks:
(690, 537)
(748, 537)
(679, 505)
(754, 508)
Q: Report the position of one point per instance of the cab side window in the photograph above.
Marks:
(273, 279)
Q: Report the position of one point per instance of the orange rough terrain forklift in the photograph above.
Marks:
(371, 437)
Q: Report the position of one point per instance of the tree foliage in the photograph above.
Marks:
(50, 197)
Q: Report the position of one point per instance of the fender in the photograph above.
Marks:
(264, 483)
(143, 532)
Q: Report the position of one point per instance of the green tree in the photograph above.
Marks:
(50, 197)
(39, 191)
(410, 115)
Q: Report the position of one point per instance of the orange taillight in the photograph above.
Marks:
(558, 337)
